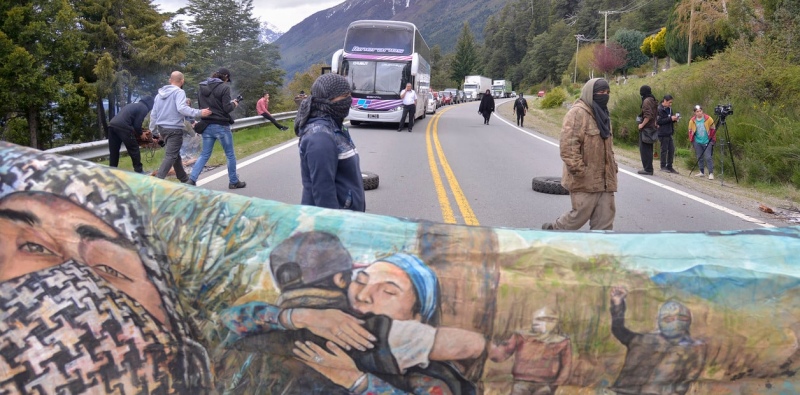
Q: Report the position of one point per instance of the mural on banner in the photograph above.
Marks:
(112, 282)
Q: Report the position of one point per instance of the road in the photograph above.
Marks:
(455, 169)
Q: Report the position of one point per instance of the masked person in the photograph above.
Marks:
(590, 170)
(215, 94)
(170, 110)
(647, 129)
(486, 108)
(520, 109)
(664, 362)
(126, 128)
(88, 300)
(543, 356)
(329, 162)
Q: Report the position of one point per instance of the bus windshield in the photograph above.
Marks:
(376, 77)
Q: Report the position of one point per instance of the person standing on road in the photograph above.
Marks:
(409, 98)
(167, 122)
(262, 108)
(521, 109)
(215, 94)
(487, 106)
(126, 128)
(647, 125)
(703, 136)
(329, 163)
(666, 129)
(590, 170)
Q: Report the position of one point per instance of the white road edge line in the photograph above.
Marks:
(700, 200)
(224, 171)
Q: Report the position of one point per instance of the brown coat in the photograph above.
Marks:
(589, 164)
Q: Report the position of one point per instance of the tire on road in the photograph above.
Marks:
(551, 185)
(371, 180)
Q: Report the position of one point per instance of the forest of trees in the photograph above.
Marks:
(66, 66)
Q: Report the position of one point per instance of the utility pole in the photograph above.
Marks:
(578, 38)
(691, 27)
(605, 35)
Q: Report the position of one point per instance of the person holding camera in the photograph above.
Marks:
(703, 136)
(215, 94)
(167, 121)
(666, 129)
(647, 127)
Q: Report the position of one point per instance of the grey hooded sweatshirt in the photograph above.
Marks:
(169, 108)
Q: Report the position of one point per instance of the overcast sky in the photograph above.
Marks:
(282, 13)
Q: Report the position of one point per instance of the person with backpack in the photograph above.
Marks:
(520, 108)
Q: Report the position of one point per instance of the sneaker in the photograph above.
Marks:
(673, 171)
(190, 182)
(240, 184)
(645, 172)
(409, 130)
(700, 175)
(548, 226)
(284, 128)
(710, 176)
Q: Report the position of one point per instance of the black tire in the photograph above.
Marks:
(371, 180)
(355, 123)
(551, 185)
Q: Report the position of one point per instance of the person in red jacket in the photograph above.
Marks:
(262, 108)
(543, 356)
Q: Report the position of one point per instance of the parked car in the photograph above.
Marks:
(454, 98)
(431, 104)
(541, 94)
(462, 97)
(435, 96)
(447, 98)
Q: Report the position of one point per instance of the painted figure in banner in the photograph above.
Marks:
(542, 355)
(664, 362)
(388, 345)
(87, 303)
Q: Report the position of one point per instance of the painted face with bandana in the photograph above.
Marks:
(674, 320)
(544, 322)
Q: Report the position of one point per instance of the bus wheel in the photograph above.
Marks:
(370, 180)
(551, 185)
(355, 123)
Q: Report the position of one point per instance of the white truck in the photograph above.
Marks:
(475, 86)
(501, 89)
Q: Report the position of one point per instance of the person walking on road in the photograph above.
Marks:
(486, 107)
(703, 136)
(409, 98)
(262, 108)
(647, 129)
(666, 129)
(590, 169)
(167, 122)
(520, 108)
(329, 163)
(215, 94)
(126, 128)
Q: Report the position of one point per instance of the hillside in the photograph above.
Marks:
(316, 38)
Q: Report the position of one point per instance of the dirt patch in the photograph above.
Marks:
(785, 210)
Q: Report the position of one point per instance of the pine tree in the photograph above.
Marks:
(465, 61)
(631, 40)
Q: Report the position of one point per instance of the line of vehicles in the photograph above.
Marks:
(379, 57)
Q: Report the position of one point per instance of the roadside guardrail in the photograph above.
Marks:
(99, 149)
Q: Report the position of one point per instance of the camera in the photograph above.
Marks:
(238, 98)
(723, 109)
(161, 142)
(678, 115)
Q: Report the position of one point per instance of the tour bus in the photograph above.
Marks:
(378, 59)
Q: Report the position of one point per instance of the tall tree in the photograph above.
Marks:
(40, 50)
(631, 40)
(609, 58)
(465, 61)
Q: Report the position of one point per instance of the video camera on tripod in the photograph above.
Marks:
(723, 110)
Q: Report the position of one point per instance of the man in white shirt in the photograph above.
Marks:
(409, 106)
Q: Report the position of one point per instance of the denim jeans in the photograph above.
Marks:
(173, 140)
(213, 133)
(705, 161)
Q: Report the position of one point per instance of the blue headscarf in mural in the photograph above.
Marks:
(425, 282)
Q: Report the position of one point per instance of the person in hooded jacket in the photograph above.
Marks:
(590, 170)
(486, 107)
(215, 94)
(167, 122)
(126, 128)
(329, 162)
(666, 129)
(647, 123)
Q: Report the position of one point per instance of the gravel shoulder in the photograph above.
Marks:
(784, 210)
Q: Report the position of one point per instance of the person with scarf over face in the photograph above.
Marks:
(590, 170)
(89, 305)
(646, 126)
(486, 107)
(329, 162)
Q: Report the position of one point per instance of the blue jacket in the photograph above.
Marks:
(330, 166)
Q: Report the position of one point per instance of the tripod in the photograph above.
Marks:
(726, 142)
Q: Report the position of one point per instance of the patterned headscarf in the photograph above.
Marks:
(425, 283)
(99, 191)
(326, 87)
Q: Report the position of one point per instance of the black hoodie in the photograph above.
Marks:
(132, 115)
(216, 96)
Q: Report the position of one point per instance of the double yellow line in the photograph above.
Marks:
(432, 141)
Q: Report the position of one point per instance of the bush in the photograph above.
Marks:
(554, 98)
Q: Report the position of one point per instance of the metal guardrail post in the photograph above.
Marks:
(99, 149)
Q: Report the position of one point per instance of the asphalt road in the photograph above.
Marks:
(452, 168)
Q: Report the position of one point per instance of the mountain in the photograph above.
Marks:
(316, 38)
(269, 32)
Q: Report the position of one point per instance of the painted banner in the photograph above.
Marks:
(113, 282)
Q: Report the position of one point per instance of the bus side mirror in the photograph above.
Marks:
(336, 61)
(414, 63)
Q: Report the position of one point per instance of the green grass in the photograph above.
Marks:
(246, 142)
